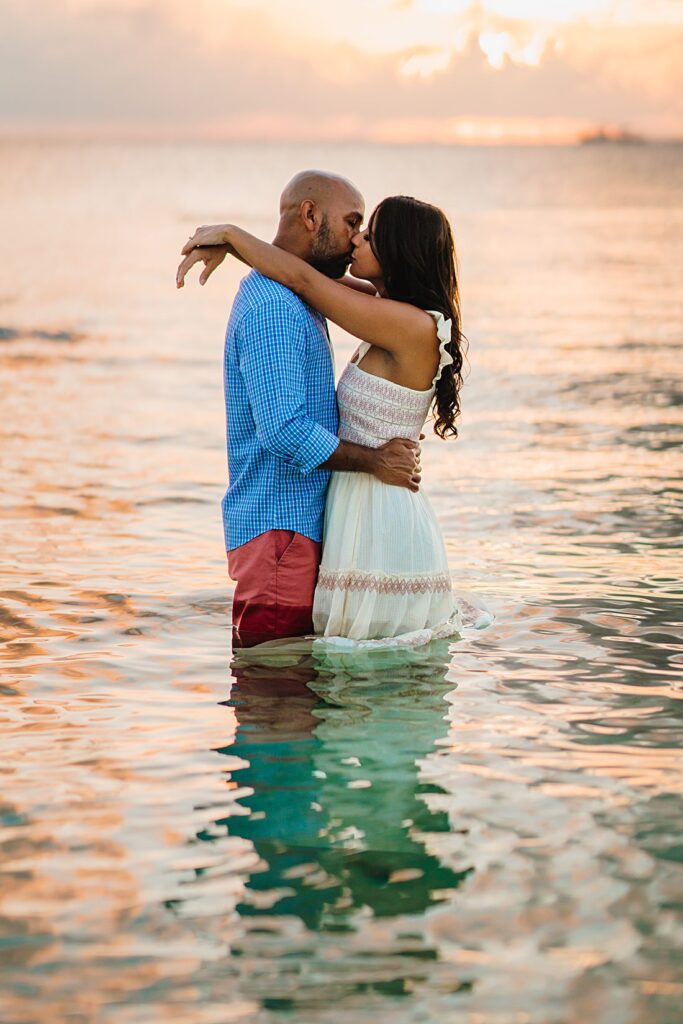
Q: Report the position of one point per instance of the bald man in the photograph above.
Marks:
(281, 415)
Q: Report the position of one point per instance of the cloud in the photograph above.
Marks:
(250, 70)
(136, 62)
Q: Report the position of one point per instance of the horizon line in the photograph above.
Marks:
(458, 131)
(77, 135)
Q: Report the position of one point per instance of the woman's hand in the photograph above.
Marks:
(211, 257)
(209, 234)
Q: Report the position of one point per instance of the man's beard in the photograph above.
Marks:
(333, 266)
(324, 258)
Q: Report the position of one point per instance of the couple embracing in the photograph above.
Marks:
(326, 528)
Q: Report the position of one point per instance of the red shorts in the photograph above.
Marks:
(276, 574)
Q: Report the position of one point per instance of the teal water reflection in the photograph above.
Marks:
(336, 809)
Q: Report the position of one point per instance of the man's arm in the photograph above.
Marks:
(271, 348)
(397, 462)
(271, 344)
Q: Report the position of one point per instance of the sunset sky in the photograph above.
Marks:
(383, 70)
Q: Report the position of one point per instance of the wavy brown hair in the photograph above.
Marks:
(413, 244)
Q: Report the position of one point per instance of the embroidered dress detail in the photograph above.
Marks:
(384, 584)
(384, 578)
(385, 390)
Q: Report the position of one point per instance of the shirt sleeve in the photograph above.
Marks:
(271, 349)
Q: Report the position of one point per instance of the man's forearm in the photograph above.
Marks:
(352, 458)
(397, 462)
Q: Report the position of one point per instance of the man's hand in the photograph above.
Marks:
(398, 463)
(211, 256)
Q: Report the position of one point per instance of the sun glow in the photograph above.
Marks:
(497, 46)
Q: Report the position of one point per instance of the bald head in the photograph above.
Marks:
(319, 187)
(319, 215)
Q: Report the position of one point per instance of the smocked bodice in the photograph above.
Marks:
(373, 410)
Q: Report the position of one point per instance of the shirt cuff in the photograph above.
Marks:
(318, 446)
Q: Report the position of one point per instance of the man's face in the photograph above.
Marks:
(332, 247)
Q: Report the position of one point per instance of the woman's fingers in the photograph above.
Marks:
(196, 240)
(191, 243)
(208, 234)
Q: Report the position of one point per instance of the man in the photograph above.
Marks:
(281, 414)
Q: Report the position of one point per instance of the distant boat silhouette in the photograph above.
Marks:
(606, 136)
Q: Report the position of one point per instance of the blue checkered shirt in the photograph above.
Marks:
(281, 413)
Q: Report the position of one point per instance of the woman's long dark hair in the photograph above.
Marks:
(413, 244)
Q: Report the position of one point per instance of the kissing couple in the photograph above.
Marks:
(326, 528)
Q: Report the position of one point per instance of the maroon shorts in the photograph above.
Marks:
(276, 574)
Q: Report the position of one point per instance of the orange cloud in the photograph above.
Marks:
(423, 70)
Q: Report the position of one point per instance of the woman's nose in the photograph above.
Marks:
(357, 239)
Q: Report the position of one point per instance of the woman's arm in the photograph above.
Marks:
(359, 286)
(392, 326)
(213, 255)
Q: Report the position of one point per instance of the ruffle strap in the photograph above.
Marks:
(443, 333)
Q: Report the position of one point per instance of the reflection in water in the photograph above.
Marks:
(335, 810)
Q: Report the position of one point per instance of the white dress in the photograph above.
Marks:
(384, 576)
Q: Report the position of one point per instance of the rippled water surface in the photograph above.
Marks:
(489, 831)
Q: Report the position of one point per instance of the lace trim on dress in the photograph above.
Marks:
(382, 583)
(443, 333)
(416, 638)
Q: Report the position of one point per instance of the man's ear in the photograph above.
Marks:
(310, 215)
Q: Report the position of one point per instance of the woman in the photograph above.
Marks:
(384, 576)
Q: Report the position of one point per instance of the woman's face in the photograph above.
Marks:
(364, 263)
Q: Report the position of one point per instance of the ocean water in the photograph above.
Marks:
(488, 831)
